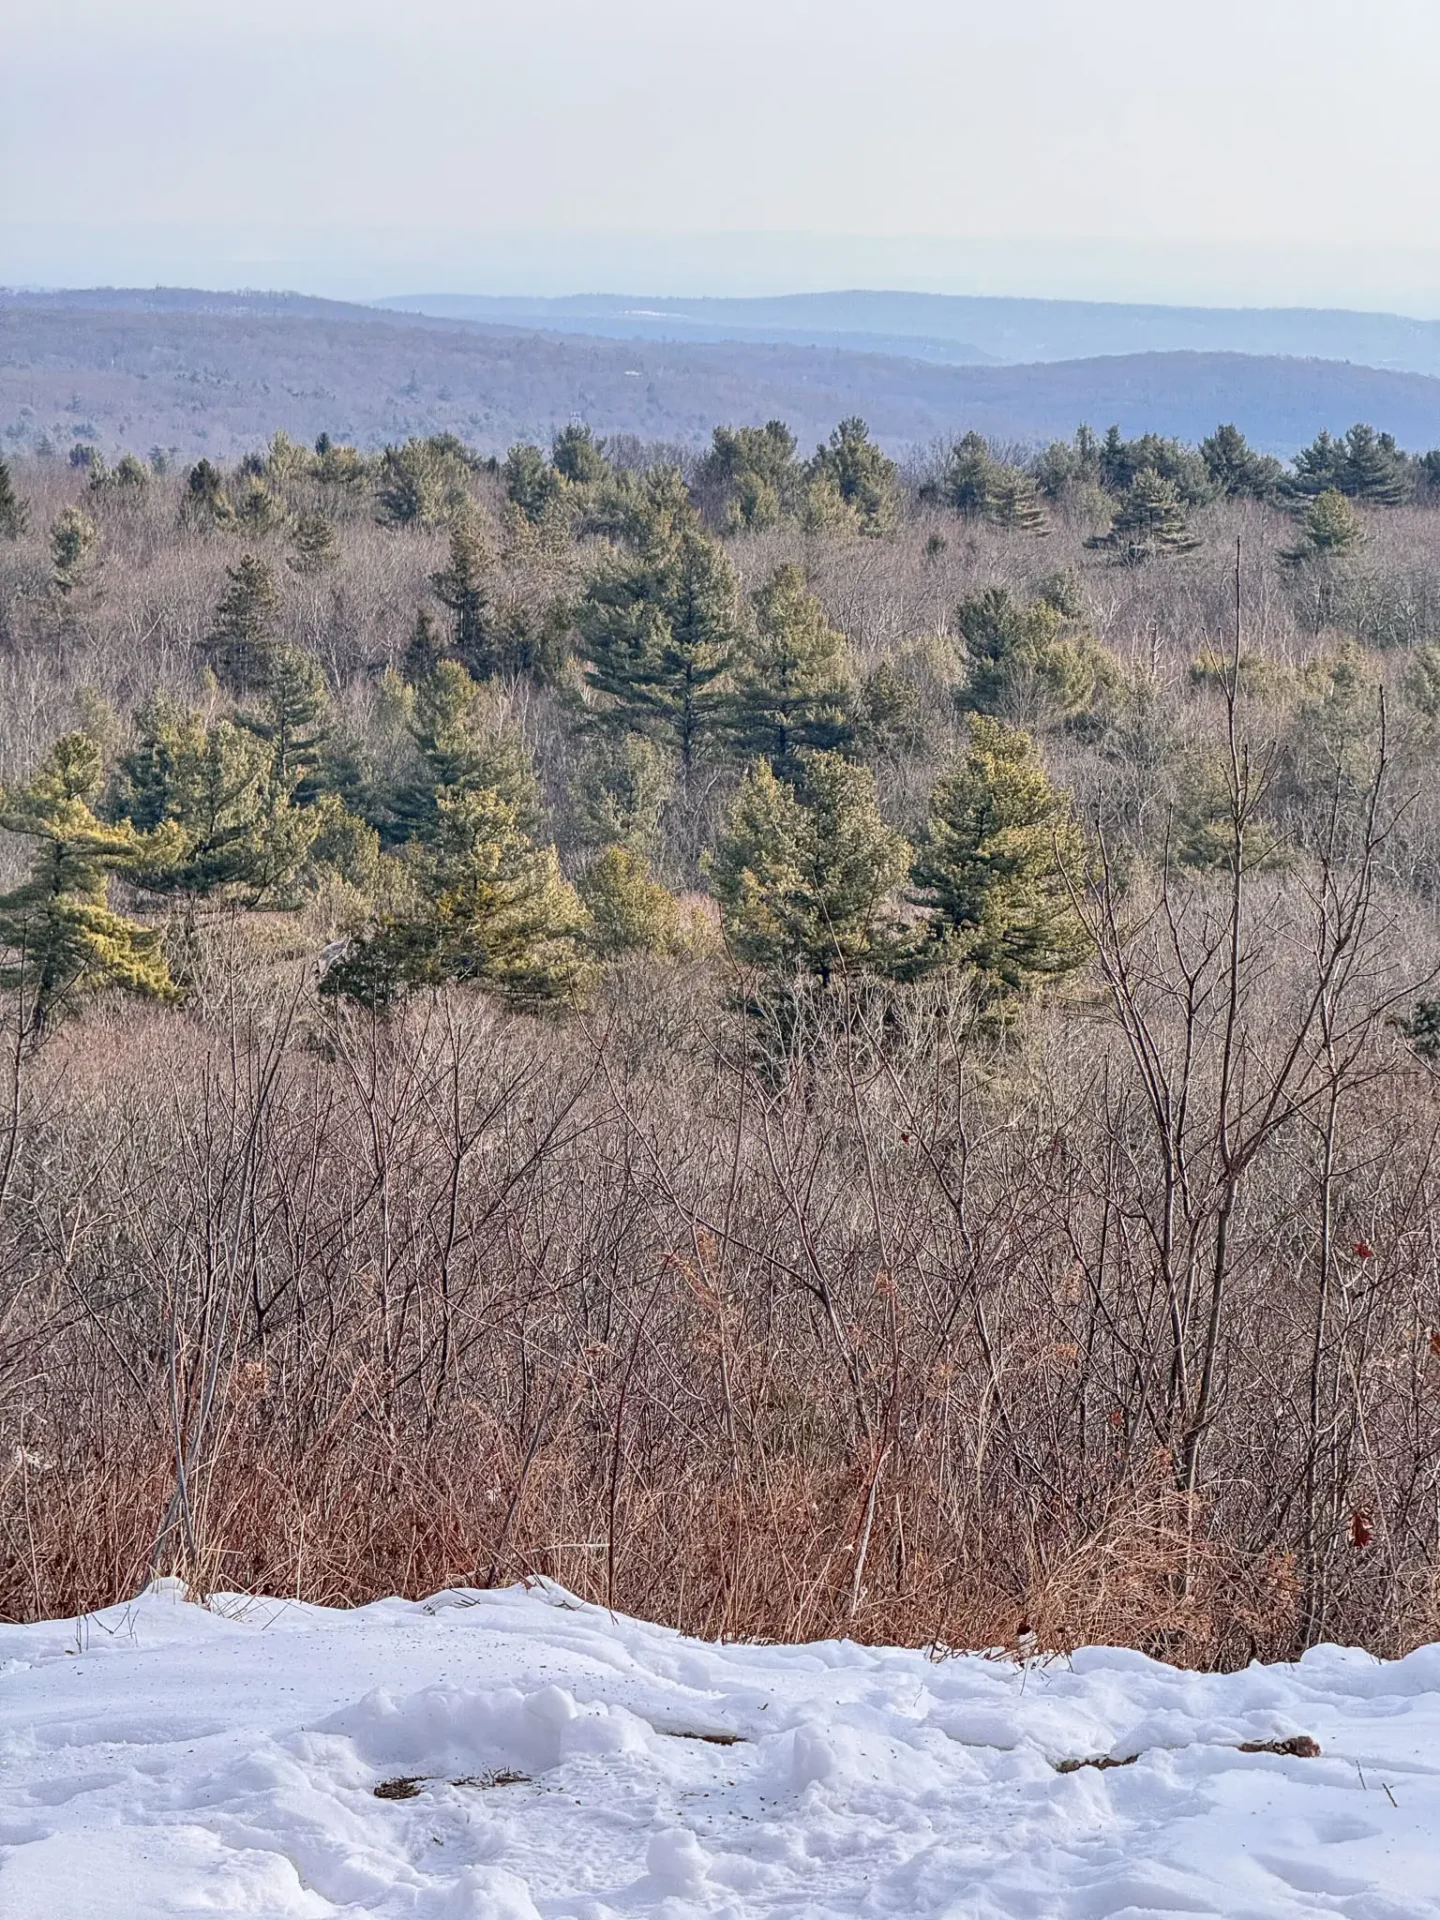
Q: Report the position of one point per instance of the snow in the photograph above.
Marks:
(542, 1757)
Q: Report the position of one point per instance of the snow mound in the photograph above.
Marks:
(452, 1730)
(523, 1756)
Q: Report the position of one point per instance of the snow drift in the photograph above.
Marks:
(504, 1756)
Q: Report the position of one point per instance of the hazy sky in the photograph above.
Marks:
(1231, 149)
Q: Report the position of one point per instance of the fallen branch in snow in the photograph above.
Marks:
(1298, 1746)
(406, 1786)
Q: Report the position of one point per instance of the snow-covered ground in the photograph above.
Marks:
(542, 1757)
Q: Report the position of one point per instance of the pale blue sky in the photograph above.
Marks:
(1264, 150)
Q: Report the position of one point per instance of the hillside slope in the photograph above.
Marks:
(972, 329)
(220, 381)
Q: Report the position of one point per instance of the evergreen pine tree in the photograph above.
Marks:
(1015, 503)
(425, 648)
(1362, 464)
(490, 910)
(1236, 470)
(155, 771)
(750, 479)
(360, 769)
(313, 544)
(58, 928)
(458, 751)
(619, 792)
(342, 472)
(805, 875)
(446, 728)
(205, 502)
(652, 508)
(1067, 465)
(658, 626)
(241, 644)
(792, 693)
(964, 485)
(14, 512)
(232, 827)
(258, 509)
(852, 470)
(531, 483)
(889, 715)
(1150, 520)
(1375, 469)
(578, 457)
(286, 461)
(407, 490)
(131, 476)
(980, 487)
(1320, 467)
(464, 587)
(990, 868)
(293, 717)
(1330, 529)
(629, 911)
(1120, 463)
(1030, 663)
(344, 845)
(422, 483)
(72, 549)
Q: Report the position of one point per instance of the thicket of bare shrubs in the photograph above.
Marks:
(1117, 1320)
(892, 1346)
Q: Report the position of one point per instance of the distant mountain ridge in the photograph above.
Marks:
(528, 315)
(967, 329)
(251, 302)
(201, 372)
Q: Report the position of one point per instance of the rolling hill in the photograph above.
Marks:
(198, 372)
(969, 330)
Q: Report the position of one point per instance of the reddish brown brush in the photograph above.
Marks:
(343, 1309)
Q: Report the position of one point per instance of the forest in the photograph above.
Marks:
(805, 1044)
